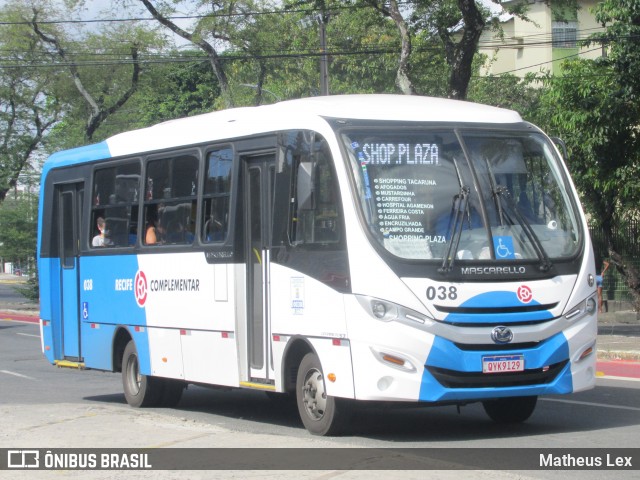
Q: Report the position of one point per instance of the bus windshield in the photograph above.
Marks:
(463, 194)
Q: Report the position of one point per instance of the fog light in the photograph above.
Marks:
(378, 309)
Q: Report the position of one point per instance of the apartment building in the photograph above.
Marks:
(541, 43)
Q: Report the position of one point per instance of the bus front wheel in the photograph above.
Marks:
(139, 390)
(510, 410)
(320, 413)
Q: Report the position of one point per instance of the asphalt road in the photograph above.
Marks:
(42, 406)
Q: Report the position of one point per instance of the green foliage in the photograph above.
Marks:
(595, 106)
(589, 108)
(169, 91)
(28, 106)
(507, 91)
(18, 217)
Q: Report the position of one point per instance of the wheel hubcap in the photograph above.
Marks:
(313, 394)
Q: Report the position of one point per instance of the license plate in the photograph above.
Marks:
(502, 363)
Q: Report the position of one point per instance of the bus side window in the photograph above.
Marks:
(114, 218)
(216, 195)
(315, 212)
(170, 200)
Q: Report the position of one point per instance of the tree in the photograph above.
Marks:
(173, 90)
(103, 90)
(595, 106)
(18, 218)
(29, 107)
(207, 30)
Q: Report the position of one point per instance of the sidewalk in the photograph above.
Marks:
(619, 336)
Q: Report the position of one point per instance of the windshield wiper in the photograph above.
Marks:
(459, 208)
(503, 194)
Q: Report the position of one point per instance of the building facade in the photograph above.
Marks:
(540, 44)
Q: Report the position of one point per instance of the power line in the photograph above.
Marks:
(306, 11)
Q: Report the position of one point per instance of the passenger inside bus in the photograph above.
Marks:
(151, 235)
(101, 239)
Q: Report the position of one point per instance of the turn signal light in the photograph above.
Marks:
(586, 353)
(391, 359)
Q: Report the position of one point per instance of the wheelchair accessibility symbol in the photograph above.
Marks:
(503, 247)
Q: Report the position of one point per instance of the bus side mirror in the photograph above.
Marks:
(305, 186)
(561, 146)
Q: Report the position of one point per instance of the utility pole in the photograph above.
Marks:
(324, 61)
(321, 19)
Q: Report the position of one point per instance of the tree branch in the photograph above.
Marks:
(212, 54)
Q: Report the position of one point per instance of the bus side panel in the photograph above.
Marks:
(304, 306)
(97, 345)
(190, 311)
(166, 352)
(335, 358)
(107, 301)
(50, 319)
(210, 357)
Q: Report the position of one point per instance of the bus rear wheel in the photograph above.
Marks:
(320, 413)
(139, 390)
(510, 410)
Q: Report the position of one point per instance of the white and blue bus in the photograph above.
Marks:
(339, 249)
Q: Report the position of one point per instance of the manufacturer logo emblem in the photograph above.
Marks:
(140, 288)
(525, 295)
(501, 334)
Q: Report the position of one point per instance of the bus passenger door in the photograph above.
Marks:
(69, 210)
(259, 175)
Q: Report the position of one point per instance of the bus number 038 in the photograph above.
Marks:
(442, 293)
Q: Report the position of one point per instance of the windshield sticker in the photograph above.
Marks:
(365, 176)
(503, 247)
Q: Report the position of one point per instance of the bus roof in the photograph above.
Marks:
(301, 113)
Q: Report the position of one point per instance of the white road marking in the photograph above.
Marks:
(28, 335)
(591, 404)
(15, 374)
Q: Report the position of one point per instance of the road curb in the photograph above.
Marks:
(614, 355)
(19, 317)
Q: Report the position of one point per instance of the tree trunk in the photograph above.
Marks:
(462, 58)
(403, 81)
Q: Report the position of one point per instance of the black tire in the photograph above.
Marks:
(139, 390)
(320, 413)
(510, 410)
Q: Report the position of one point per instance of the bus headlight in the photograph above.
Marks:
(388, 312)
(379, 309)
(586, 307)
(591, 305)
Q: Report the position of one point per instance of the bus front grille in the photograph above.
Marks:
(455, 379)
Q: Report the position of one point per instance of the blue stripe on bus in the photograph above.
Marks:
(50, 309)
(496, 300)
(108, 296)
(445, 354)
(88, 153)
